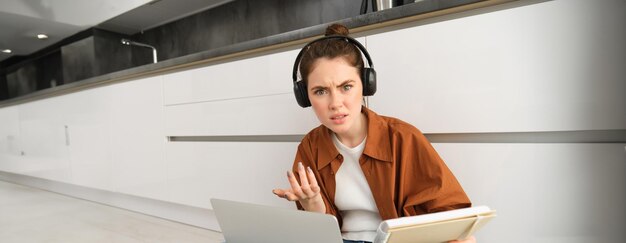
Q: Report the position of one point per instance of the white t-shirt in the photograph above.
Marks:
(353, 196)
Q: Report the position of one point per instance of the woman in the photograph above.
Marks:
(359, 166)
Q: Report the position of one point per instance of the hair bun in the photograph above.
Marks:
(337, 29)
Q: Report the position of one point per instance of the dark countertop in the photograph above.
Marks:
(402, 14)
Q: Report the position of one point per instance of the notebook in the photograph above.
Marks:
(434, 227)
(246, 223)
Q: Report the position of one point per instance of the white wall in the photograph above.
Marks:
(549, 66)
(544, 192)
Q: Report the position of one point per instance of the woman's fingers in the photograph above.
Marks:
(312, 181)
(295, 186)
(304, 181)
(470, 239)
(307, 187)
(279, 192)
(291, 197)
(286, 194)
(307, 192)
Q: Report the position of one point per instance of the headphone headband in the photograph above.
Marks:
(347, 38)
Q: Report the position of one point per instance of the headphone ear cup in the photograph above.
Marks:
(299, 90)
(368, 77)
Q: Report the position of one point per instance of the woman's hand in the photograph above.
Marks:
(308, 194)
(470, 239)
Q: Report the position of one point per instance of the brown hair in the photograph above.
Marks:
(330, 48)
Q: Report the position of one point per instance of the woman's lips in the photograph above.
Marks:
(339, 119)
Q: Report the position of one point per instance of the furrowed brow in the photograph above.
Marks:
(346, 82)
(318, 87)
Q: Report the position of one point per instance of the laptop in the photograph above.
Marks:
(247, 223)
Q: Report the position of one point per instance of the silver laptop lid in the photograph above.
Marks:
(248, 223)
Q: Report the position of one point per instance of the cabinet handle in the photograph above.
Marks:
(67, 136)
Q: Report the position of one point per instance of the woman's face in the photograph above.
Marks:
(335, 92)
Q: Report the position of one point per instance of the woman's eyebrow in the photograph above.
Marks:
(326, 87)
(318, 87)
(346, 82)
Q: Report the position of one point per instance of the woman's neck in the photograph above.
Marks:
(355, 136)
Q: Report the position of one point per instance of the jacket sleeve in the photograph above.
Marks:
(305, 154)
(431, 185)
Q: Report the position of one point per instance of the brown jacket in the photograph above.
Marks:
(406, 175)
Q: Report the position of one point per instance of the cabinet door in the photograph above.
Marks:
(137, 153)
(241, 171)
(267, 115)
(262, 75)
(87, 115)
(43, 141)
(10, 151)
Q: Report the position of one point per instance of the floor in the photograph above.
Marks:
(32, 215)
